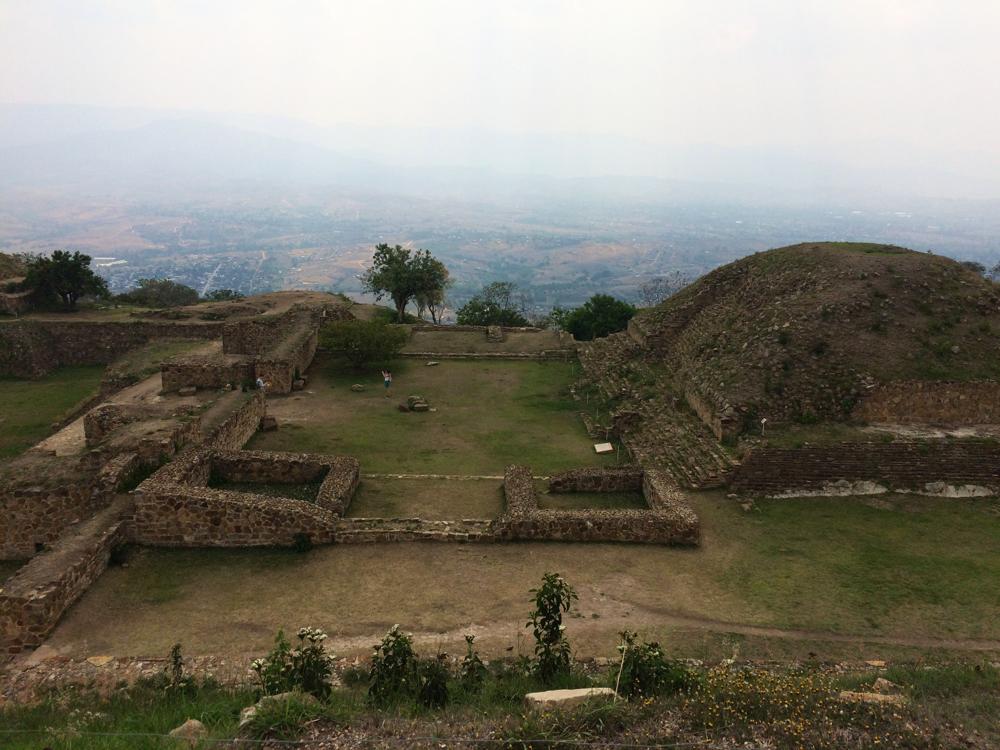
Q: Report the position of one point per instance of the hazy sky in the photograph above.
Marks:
(796, 72)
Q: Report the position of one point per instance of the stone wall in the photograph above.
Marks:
(273, 348)
(668, 521)
(240, 426)
(617, 479)
(32, 348)
(188, 516)
(206, 371)
(940, 403)
(32, 518)
(15, 303)
(33, 600)
(956, 468)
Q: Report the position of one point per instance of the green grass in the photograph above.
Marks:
(489, 415)
(29, 407)
(891, 564)
(598, 500)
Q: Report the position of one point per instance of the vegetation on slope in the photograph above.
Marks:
(799, 332)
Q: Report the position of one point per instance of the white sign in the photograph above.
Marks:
(604, 448)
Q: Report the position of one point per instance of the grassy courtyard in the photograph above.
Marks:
(432, 499)
(29, 407)
(488, 415)
(841, 578)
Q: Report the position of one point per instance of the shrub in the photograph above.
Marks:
(472, 673)
(282, 719)
(646, 672)
(432, 682)
(498, 304)
(161, 293)
(393, 670)
(363, 342)
(307, 667)
(552, 651)
(599, 316)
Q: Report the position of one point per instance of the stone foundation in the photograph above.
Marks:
(33, 600)
(668, 521)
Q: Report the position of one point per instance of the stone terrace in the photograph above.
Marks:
(657, 428)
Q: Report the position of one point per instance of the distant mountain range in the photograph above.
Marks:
(112, 150)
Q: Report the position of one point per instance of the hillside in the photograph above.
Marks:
(800, 332)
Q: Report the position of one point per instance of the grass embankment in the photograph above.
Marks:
(890, 575)
(488, 415)
(140, 363)
(719, 706)
(29, 407)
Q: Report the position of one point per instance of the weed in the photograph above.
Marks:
(552, 651)
(393, 670)
(307, 667)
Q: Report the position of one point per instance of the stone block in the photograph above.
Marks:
(298, 385)
(357, 388)
(188, 390)
(567, 698)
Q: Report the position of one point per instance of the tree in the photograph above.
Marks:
(223, 295)
(599, 316)
(658, 288)
(432, 298)
(64, 275)
(498, 304)
(362, 342)
(162, 293)
(402, 274)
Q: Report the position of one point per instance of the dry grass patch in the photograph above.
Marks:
(431, 499)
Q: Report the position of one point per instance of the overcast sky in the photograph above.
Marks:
(794, 73)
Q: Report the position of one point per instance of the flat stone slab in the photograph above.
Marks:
(567, 698)
(851, 696)
(603, 448)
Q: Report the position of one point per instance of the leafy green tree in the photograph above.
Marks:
(552, 651)
(161, 293)
(599, 316)
(363, 342)
(432, 299)
(402, 274)
(223, 295)
(65, 275)
(497, 304)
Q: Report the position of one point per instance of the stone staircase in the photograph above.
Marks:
(372, 530)
(657, 427)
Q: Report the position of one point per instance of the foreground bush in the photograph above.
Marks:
(307, 667)
(646, 671)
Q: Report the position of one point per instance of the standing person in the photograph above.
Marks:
(387, 380)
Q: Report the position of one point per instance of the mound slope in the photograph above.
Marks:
(802, 332)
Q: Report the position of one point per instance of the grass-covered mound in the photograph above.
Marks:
(798, 332)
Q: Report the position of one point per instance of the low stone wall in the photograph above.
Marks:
(554, 354)
(616, 479)
(240, 426)
(32, 348)
(34, 518)
(33, 600)
(940, 403)
(188, 516)
(949, 468)
(669, 521)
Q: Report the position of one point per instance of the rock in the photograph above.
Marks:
(494, 333)
(882, 685)
(99, 661)
(191, 730)
(851, 696)
(298, 385)
(877, 663)
(268, 423)
(420, 406)
(567, 698)
(42, 653)
(357, 387)
(188, 390)
(433, 364)
(247, 714)
(402, 407)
